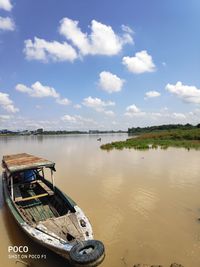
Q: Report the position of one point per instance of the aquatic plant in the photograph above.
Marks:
(188, 139)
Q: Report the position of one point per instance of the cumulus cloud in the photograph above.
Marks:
(99, 105)
(38, 90)
(140, 63)
(63, 101)
(69, 118)
(77, 119)
(96, 103)
(6, 5)
(158, 118)
(7, 104)
(7, 24)
(179, 115)
(187, 93)
(110, 82)
(43, 50)
(152, 94)
(101, 41)
(133, 110)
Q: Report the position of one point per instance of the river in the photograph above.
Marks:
(143, 205)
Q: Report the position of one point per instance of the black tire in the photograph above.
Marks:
(87, 253)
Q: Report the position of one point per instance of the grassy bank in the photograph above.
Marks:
(189, 139)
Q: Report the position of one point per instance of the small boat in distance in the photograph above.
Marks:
(47, 214)
(99, 139)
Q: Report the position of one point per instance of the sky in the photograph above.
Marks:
(80, 65)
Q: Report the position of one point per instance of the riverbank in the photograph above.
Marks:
(189, 139)
(31, 133)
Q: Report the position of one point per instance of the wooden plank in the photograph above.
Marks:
(30, 198)
(45, 187)
(41, 211)
(48, 211)
(25, 161)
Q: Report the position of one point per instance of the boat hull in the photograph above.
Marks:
(46, 214)
(36, 235)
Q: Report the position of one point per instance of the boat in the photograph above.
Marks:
(45, 213)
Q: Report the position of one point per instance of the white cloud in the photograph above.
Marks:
(133, 110)
(7, 24)
(127, 29)
(152, 94)
(6, 5)
(97, 103)
(4, 118)
(189, 94)
(38, 90)
(77, 119)
(178, 116)
(63, 101)
(42, 50)
(147, 118)
(140, 63)
(77, 106)
(114, 123)
(196, 112)
(69, 118)
(110, 82)
(109, 113)
(7, 104)
(101, 41)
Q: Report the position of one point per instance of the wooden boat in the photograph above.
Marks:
(47, 214)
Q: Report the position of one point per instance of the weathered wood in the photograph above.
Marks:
(61, 226)
(30, 198)
(23, 161)
(45, 187)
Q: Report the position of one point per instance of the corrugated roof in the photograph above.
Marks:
(23, 161)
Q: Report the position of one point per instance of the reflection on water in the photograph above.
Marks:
(143, 205)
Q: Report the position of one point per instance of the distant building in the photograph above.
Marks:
(39, 131)
(4, 131)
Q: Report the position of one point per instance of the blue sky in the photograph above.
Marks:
(99, 64)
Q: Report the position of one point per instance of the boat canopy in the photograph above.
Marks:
(23, 161)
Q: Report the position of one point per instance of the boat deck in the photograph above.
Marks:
(35, 203)
(39, 212)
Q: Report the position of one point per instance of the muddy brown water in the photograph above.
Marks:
(143, 205)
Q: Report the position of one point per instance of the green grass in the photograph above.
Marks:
(189, 139)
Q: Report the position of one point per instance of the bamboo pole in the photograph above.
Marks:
(12, 193)
(52, 179)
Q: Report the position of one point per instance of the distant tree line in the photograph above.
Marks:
(165, 127)
(62, 132)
